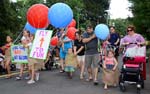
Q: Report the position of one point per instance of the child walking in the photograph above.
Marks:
(25, 40)
(110, 70)
(7, 60)
(34, 65)
(70, 62)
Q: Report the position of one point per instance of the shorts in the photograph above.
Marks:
(7, 58)
(62, 53)
(38, 63)
(92, 59)
(81, 58)
(109, 66)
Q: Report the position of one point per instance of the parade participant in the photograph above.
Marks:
(114, 40)
(65, 44)
(7, 60)
(24, 41)
(132, 37)
(70, 63)
(79, 49)
(110, 70)
(91, 53)
(34, 64)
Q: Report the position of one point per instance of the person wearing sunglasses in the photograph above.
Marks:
(132, 38)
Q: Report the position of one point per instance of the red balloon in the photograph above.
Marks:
(72, 24)
(71, 33)
(37, 16)
(54, 41)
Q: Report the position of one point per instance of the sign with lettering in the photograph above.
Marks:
(19, 54)
(41, 44)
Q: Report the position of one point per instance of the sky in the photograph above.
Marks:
(119, 9)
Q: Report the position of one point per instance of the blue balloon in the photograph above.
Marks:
(31, 28)
(60, 15)
(101, 31)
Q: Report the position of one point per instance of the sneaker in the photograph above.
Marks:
(37, 76)
(95, 82)
(18, 78)
(31, 82)
(27, 77)
(61, 71)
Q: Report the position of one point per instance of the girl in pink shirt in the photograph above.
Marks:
(110, 70)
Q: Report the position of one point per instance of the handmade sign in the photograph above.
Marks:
(19, 54)
(41, 44)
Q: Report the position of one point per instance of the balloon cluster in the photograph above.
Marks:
(59, 15)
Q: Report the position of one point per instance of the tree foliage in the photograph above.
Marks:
(9, 22)
(13, 15)
(120, 25)
(141, 19)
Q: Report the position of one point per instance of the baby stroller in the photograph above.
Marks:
(2, 69)
(52, 60)
(133, 69)
(103, 51)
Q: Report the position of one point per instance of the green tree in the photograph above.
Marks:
(96, 10)
(13, 15)
(9, 22)
(141, 19)
(120, 25)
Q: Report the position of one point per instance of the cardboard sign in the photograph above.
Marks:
(41, 44)
(19, 54)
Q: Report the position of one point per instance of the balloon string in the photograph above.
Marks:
(18, 37)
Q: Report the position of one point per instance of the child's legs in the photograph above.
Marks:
(21, 70)
(62, 57)
(7, 66)
(32, 72)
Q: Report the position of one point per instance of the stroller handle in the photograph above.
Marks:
(135, 44)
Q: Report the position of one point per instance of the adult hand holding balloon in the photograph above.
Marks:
(60, 15)
(101, 31)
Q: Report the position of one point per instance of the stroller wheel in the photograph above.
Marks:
(57, 66)
(142, 83)
(138, 91)
(122, 87)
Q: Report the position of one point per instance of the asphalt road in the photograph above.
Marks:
(53, 82)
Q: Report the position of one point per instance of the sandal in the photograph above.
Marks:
(105, 87)
(61, 71)
(81, 77)
(89, 79)
(95, 82)
(8, 77)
